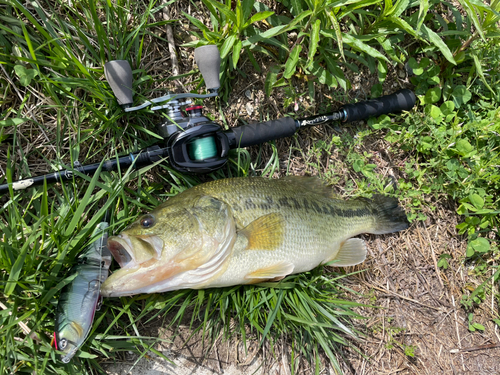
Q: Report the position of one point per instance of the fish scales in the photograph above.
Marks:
(310, 241)
(258, 229)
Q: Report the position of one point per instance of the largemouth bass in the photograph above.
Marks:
(78, 301)
(243, 231)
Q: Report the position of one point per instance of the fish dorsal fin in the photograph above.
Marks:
(265, 233)
(277, 271)
(352, 252)
(310, 184)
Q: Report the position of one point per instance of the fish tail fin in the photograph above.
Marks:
(389, 216)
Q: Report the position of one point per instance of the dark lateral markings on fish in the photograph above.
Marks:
(307, 205)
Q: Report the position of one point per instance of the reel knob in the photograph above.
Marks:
(208, 60)
(119, 76)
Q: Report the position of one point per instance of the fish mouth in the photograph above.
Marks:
(132, 251)
(121, 248)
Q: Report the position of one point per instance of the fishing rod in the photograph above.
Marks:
(194, 143)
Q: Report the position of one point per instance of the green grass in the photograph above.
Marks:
(56, 107)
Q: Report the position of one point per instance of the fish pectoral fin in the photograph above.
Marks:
(265, 233)
(352, 252)
(276, 271)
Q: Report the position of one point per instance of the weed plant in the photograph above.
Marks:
(53, 89)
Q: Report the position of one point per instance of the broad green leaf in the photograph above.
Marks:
(478, 326)
(227, 45)
(272, 77)
(359, 45)
(382, 70)
(213, 12)
(291, 63)
(471, 12)
(403, 25)
(236, 52)
(25, 75)
(434, 112)
(239, 16)
(398, 8)
(354, 5)
(447, 108)
(257, 17)
(460, 57)
(479, 70)
(476, 200)
(296, 6)
(333, 67)
(438, 42)
(387, 8)
(415, 66)
(313, 41)
(323, 75)
(464, 147)
(470, 251)
(461, 95)
(299, 18)
(422, 13)
(196, 22)
(225, 10)
(247, 6)
(387, 46)
(336, 27)
(263, 37)
(13, 121)
(432, 95)
(480, 245)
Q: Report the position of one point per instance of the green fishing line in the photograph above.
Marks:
(202, 148)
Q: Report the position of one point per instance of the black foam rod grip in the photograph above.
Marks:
(208, 60)
(403, 100)
(119, 76)
(254, 134)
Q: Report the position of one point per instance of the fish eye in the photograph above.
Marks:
(63, 343)
(147, 221)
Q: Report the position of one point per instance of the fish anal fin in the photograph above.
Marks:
(275, 272)
(265, 233)
(352, 252)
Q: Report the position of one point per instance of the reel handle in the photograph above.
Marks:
(208, 60)
(119, 76)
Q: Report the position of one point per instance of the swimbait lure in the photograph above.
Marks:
(79, 299)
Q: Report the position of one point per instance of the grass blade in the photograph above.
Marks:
(438, 42)
(313, 42)
(291, 63)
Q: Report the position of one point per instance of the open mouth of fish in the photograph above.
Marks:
(131, 251)
(121, 249)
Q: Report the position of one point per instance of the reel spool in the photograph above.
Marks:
(202, 148)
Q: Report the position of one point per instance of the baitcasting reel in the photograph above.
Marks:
(194, 143)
